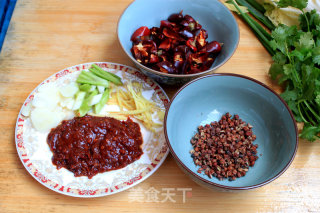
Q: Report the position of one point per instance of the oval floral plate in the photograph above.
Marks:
(35, 154)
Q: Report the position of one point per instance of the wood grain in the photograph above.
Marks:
(47, 36)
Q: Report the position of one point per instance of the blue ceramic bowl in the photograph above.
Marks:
(206, 99)
(212, 15)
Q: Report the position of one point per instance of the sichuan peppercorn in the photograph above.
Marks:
(224, 148)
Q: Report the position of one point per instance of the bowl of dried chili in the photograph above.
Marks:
(175, 41)
(230, 132)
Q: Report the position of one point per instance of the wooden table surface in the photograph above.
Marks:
(47, 36)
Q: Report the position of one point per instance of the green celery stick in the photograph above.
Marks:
(99, 68)
(87, 87)
(85, 108)
(90, 78)
(104, 99)
(105, 75)
(79, 99)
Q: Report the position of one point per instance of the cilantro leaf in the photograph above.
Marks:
(288, 69)
(310, 132)
(279, 34)
(275, 70)
(309, 74)
(306, 41)
(313, 19)
(279, 58)
(283, 79)
(283, 37)
(317, 99)
(293, 106)
(296, 53)
(289, 95)
(316, 55)
(306, 73)
(300, 4)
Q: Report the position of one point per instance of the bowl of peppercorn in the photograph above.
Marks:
(175, 41)
(230, 132)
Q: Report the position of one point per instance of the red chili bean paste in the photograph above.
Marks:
(90, 145)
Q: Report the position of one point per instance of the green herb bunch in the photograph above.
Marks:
(295, 52)
(297, 66)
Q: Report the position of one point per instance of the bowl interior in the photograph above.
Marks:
(207, 99)
(212, 15)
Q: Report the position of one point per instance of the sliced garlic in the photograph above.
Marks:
(43, 119)
(69, 90)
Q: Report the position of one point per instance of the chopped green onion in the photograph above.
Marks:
(104, 99)
(105, 75)
(257, 14)
(85, 106)
(90, 78)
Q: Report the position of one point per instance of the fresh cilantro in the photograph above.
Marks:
(289, 95)
(310, 132)
(306, 41)
(312, 19)
(275, 70)
(317, 100)
(279, 58)
(295, 51)
(297, 65)
(316, 55)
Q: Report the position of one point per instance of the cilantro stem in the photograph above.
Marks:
(305, 16)
(311, 110)
(310, 120)
(302, 117)
(295, 74)
(306, 107)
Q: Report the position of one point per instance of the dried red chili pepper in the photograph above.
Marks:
(179, 42)
(201, 39)
(208, 62)
(186, 64)
(163, 55)
(153, 59)
(166, 67)
(192, 44)
(186, 34)
(178, 60)
(171, 34)
(176, 17)
(212, 47)
(199, 57)
(189, 19)
(165, 44)
(142, 31)
(167, 24)
(182, 48)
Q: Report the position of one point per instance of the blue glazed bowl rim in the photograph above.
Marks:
(180, 75)
(219, 185)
